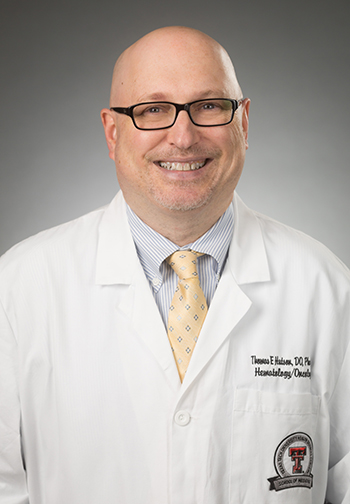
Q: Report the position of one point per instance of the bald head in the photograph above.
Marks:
(173, 54)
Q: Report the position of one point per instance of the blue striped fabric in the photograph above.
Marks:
(153, 248)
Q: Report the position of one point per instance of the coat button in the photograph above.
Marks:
(182, 418)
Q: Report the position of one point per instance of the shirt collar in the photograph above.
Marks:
(117, 260)
(153, 248)
(216, 241)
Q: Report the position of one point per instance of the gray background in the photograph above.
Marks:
(292, 60)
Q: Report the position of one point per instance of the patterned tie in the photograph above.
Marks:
(187, 310)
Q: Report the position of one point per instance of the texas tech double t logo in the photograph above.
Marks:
(293, 462)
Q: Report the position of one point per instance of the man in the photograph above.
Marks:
(105, 396)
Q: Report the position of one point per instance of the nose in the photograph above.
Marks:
(183, 134)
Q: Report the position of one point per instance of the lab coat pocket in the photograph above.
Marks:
(272, 448)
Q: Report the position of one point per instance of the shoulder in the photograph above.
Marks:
(291, 251)
(305, 265)
(51, 244)
(293, 243)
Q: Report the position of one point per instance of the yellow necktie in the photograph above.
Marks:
(187, 310)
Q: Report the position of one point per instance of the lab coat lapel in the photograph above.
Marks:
(228, 307)
(118, 265)
(246, 263)
(140, 307)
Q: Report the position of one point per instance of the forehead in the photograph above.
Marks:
(173, 68)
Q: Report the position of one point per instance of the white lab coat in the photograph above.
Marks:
(90, 394)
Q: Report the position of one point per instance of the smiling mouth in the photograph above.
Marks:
(190, 166)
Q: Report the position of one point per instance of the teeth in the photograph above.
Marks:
(181, 166)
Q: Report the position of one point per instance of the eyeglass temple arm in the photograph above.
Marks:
(123, 110)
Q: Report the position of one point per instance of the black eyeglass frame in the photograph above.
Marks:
(129, 111)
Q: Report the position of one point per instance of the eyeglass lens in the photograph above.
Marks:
(203, 113)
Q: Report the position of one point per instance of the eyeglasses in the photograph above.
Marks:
(162, 114)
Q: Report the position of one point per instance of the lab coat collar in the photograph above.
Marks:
(117, 257)
(116, 253)
(247, 258)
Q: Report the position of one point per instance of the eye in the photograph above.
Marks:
(152, 110)
(209, 106)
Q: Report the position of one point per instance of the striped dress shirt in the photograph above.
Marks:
(153, 248)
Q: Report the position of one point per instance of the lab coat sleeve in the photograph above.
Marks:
(13, 488)
(338, 491)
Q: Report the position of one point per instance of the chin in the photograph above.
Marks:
(181, 204)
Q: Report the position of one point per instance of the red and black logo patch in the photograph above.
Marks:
(293, 462)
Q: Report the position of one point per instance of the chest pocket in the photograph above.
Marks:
(272, 447)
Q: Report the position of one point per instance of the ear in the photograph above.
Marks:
(245, 119)
(107, 117)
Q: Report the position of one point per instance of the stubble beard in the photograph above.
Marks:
(178, 202)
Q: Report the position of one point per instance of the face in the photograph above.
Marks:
(186, 167)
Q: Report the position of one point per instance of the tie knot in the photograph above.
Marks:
(184, 263)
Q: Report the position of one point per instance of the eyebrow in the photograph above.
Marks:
(153, 97)
(159, 96)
